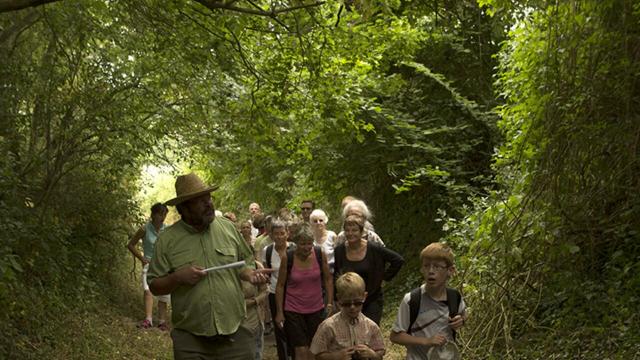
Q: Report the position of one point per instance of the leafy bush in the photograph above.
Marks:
(550, 252)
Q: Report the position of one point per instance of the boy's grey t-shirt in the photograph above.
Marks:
(433, 319)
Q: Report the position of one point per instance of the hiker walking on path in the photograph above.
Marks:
(321, 236)
(348, 334)
(306, 207)
(359, 208)
(272, 259)
(149, 234)
(255, 297)
(429, 316)
(254, 210)
(264, 239)
(208, 304)
(372, 262)
(302, 275)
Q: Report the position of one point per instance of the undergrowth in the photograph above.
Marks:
(44, 323)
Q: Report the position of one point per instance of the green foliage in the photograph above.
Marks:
(391, 101)
(550, 252)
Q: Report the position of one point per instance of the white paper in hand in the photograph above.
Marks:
(236, 264)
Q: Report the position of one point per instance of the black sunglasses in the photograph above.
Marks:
(352, 303)
(306, 208)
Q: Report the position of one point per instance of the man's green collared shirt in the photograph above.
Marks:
(215, 305)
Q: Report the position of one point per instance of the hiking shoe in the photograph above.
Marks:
(144, 324)
(163, 327)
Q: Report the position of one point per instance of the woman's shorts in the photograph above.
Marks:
(145, 286)
(300, 328)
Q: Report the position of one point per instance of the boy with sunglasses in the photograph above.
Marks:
(348, 334)
(429, 316)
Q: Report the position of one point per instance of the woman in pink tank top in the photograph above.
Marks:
(300, 305)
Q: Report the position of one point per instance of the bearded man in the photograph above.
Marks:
(207, 305)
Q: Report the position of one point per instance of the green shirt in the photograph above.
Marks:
(261, 242)
(215, 305)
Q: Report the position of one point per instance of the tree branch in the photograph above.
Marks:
(13, 5)
(229, 5)
(9, 35)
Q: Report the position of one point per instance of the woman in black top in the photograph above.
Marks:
(372, 262)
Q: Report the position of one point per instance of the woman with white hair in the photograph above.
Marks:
(321, 236)
(358, 208)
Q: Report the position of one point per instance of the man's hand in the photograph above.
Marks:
(261, 276)
(189, 275)
(456, 322)
(145, 261)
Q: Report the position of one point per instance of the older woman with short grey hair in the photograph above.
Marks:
(358, 208)
(321, 236)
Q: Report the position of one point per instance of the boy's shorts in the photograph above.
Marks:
(145, 286)
(300, 328)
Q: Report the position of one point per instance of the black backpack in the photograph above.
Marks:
(453, 301)
(269, 252)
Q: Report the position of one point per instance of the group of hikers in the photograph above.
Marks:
(231, 281)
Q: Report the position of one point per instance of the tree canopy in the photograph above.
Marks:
(507, 129)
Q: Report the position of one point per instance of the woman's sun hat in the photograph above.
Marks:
(188, 187)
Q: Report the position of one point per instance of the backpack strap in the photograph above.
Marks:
(453, 301)
(268, 255)
(414, 306)
(290, 252)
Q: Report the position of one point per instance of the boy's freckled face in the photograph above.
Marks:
(435, 272)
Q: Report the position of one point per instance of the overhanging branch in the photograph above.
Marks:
(230, 5)
(13, 5)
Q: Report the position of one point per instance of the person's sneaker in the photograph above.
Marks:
(163, 326)
(145, 324)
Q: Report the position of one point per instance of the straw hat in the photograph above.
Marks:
(189, 186)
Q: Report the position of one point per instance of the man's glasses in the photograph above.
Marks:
(355, 303)
(306, 209)
(435, 267)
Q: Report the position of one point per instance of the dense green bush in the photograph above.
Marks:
(549, 258)
(390, 101)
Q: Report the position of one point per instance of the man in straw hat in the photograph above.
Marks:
(208, 306)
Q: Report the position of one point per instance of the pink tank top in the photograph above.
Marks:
(304, 289)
